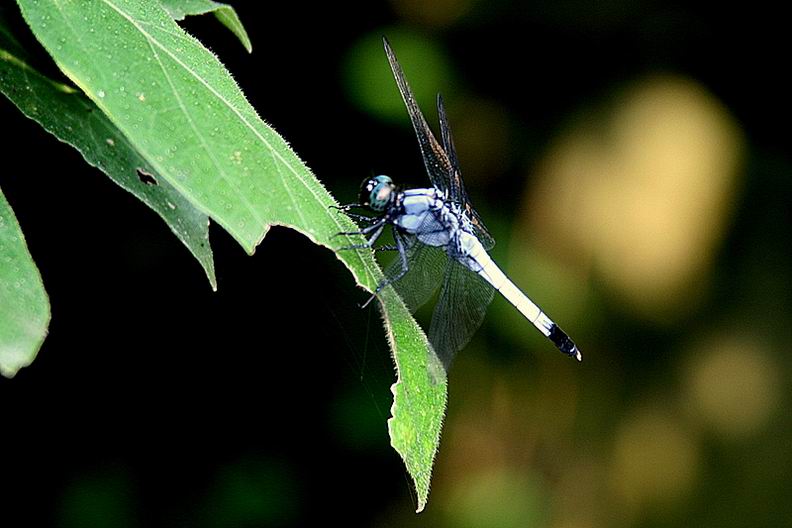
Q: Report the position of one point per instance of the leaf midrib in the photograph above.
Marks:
(280, 160)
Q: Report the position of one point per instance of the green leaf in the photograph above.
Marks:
(24, 307)
(419, 394)
(182, 111)
(74, 119)
(178, 9)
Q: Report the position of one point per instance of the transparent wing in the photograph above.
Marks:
(438, 165)
(456, 187)
(459, 311)
(424, 276)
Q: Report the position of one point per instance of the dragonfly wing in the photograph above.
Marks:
(478, 228)
(456, 187)
(425, 272)
(459, 312)
(440, 161)
(438, 165)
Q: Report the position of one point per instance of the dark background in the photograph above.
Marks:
(156, 402)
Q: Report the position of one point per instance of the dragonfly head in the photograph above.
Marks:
(377, 192)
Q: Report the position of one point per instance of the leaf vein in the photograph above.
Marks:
(276, 155)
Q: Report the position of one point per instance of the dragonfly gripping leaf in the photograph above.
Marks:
(442, 242)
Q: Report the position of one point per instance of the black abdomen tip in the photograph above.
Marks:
(564, 343)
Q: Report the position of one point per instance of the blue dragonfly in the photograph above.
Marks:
(441, 242)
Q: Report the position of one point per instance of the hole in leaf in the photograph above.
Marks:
(146, 177)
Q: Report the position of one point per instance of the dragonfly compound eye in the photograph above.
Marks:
(375, 192)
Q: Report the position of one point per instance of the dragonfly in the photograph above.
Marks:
(441, 241)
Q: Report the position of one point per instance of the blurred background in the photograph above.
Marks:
(631, 158)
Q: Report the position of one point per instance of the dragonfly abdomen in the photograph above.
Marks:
(479, 261)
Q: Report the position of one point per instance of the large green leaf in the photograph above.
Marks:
(71, 117)
(182, 111)
(225, 14)
(24, 307)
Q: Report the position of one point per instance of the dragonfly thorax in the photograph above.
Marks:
(425, 214)
(377, 193)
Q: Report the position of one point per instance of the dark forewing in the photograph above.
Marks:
(456, 187)
(438, 165)
(440, 161)
(459, 312)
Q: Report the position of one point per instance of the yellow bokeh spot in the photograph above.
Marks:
(655, 461)
(642, 191)
(732, 385)
(497, 498)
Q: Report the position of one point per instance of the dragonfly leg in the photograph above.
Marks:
(345, 207)
(405, 267)
(365, 231)
(376, 228)
(364, 218)
(387, 247)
